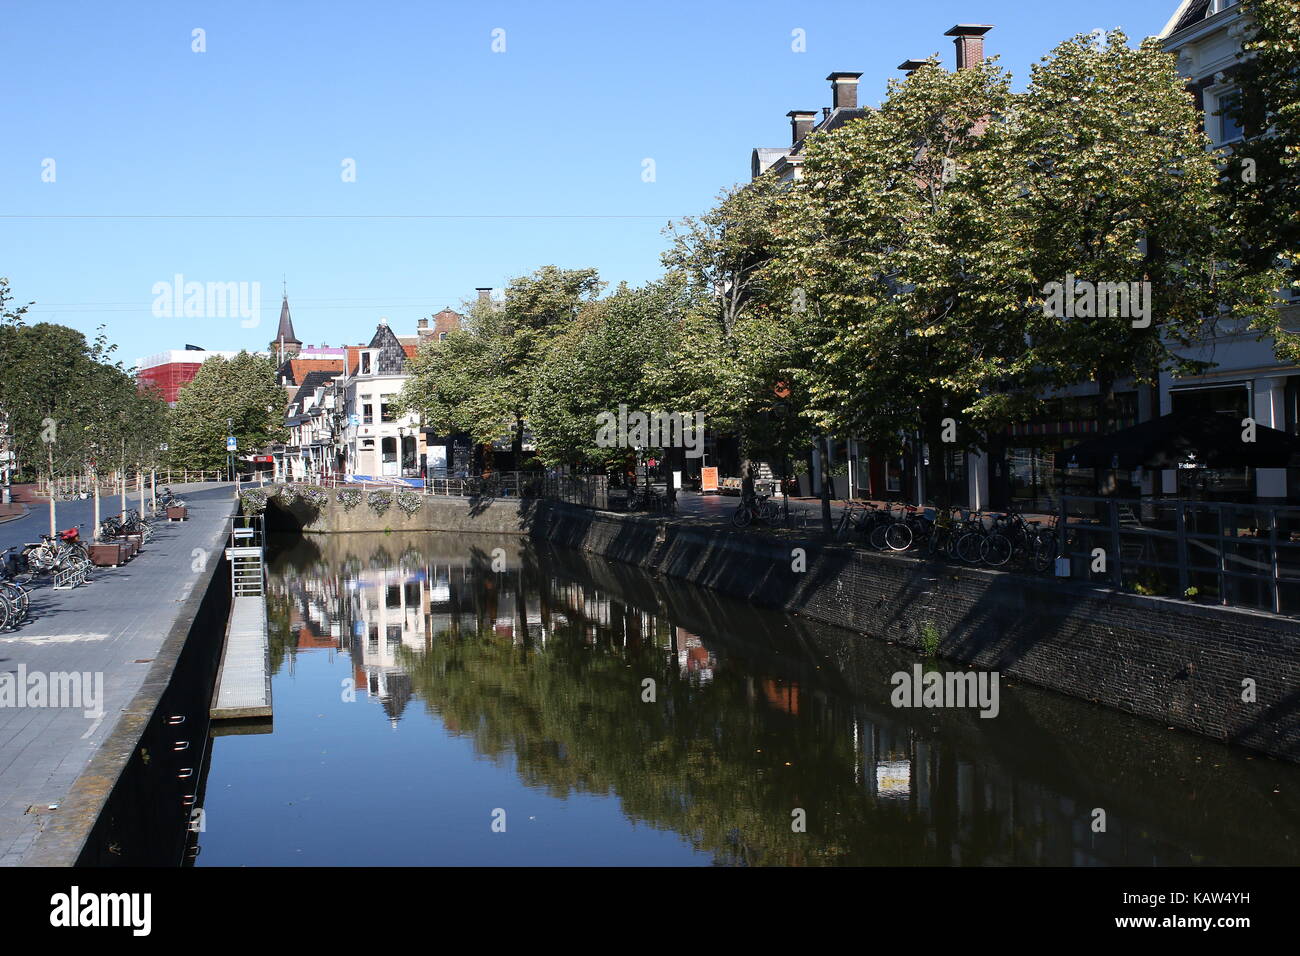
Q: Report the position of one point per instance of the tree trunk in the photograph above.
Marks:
(823, 461)
(49, 457)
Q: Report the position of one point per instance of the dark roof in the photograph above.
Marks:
(1194, 14)
(310, 382)
(285, 331)
(392, 357)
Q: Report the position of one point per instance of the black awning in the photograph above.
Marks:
(1212, 439)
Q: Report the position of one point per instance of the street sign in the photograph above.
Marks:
(163, 447)
(231, 444)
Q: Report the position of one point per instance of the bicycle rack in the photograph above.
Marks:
(69, 578)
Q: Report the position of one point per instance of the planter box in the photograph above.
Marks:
(176, 512)
(805, 486)
(840, 487)
(107, 555)
(136, 543)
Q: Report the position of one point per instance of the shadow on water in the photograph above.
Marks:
(541, 660)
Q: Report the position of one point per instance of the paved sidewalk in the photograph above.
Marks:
(110, 628)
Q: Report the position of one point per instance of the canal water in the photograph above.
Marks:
(455, 700)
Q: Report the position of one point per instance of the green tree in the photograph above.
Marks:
(46, 391)
(480, 379)
(1262, 175)
(242, 389)
(725, 255)
(601, 360)
(925, 237)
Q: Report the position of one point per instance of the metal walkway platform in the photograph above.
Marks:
(244, 680)
(244, 684)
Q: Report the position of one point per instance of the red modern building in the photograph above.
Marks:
(171, 370)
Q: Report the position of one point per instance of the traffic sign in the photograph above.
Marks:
(231, 444)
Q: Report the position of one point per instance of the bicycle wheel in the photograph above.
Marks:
(17, 600)
(995, 550)
(969, 546)
(6, 612)
(742, 516)
(898, 537)
(877, 536)
(1042, 551)
(937, 542)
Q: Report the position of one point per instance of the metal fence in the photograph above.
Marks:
(591, 491)
(1211, 552)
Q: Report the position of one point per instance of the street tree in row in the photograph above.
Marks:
(1262, 173)
(479, 379)
(241, 390)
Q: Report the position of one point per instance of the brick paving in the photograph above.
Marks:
(112, 626)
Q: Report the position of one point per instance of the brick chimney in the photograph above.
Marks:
(801, 124)
(844, 90)
(422, 323)
(484, 293)
(911, 66)
(969, 40)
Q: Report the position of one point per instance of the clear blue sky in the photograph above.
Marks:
(438, 125)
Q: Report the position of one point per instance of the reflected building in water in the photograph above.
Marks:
(541, 656)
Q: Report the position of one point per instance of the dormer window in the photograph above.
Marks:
(366, 363)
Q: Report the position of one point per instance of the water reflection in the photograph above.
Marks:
(540, 659)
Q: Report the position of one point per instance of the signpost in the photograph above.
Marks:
(231, 447)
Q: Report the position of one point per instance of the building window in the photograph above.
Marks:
(386, 411)
(441, 336)
(367, 414)
(365, 363)
(1229, 129)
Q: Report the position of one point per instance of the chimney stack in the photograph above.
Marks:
(911, 66)
(844, 90)
(969, 40)
(801, 123)
(422, 324)
(484, 293)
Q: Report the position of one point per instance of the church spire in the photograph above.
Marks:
(285, 343)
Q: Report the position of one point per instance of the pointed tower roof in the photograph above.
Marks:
(285, 332)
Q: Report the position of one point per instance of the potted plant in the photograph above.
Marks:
(802, 478)
(839, 473)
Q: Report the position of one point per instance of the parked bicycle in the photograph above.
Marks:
(57, 552)
(168, 500)
(15, 597)
(647, 499)
(759, 508)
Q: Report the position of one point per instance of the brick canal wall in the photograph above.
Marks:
(1171, 661)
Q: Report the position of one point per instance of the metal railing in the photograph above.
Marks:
(245, 553)
(591, 491)
(1218, 552)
